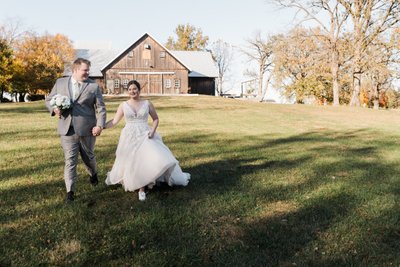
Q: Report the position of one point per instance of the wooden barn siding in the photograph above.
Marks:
(100, 82)
(154, 83)
(202, 86)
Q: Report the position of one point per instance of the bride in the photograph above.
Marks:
(142, 159)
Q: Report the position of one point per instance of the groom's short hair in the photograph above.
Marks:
(79, 61)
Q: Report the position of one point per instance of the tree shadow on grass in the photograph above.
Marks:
(279, 239)
(16, 135)
(357, 164)
(22, 108)
(15, 171)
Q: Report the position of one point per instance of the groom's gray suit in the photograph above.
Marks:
(75, 125)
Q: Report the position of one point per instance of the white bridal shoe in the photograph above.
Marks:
(142, 196)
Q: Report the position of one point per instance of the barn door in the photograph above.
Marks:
(142, 79)
(155, 84)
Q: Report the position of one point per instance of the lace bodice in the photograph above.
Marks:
(136, 121)
(141, 115)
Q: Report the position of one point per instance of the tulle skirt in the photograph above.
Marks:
(141, 161)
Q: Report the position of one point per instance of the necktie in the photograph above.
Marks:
(76, 90)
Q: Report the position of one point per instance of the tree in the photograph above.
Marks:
(40, 60)
(6, 66)
(370, 19)
(189, 38)
(381, 63)
(11, 30)
(222, 54)
(10, 33)
(300, 66)
(260, 49)
(393, 98)
(331, 30)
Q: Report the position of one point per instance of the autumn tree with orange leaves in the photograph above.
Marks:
(188, 38)
(39, 61)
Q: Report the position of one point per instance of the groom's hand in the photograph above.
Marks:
(96, 131)
(57, 112)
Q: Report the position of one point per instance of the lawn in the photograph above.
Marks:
(272, 185)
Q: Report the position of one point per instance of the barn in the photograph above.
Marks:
(159, 70)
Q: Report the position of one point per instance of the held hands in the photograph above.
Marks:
(96, 131)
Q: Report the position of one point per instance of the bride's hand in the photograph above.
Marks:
(151, 134)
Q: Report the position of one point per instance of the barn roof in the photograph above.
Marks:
(97, 57)
(200, 63)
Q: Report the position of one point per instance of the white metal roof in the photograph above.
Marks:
(200, 63)
(97, 57)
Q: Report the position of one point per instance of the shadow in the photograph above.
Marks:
(24, 107)
(281, 238)
(42, 133)
(14, 172)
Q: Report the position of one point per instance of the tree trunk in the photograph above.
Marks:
(219, 86)
(266, 88)
(335, 78)
(376, 97)
(260, 84)
(335, 87)
(355, 97)
(2, 92)
(21, 97)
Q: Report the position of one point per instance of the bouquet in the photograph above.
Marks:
(61, 102)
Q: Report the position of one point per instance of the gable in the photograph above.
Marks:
(146, 52)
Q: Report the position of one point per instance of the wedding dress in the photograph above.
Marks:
(142, 161)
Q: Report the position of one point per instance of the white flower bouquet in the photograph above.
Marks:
(60, 101)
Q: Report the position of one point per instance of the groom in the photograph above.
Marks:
(78, 126)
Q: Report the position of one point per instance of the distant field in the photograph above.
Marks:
(272, 185)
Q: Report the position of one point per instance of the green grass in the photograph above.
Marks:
(272, 185)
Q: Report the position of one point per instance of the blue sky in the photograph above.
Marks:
(119, 23)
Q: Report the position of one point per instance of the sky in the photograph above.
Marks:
(117, 24)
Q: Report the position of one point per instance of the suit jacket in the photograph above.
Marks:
(82, 114)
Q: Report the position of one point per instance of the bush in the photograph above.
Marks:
(5, 100)
(35, 97)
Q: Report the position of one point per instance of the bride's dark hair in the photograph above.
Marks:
(135, 83)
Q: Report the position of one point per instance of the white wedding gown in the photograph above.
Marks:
(141, 161)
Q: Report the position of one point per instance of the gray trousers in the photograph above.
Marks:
(73, 144)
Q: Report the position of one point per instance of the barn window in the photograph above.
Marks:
(146, 46)
(162, 54)
(130, 54)
(177, 83)
(168, 83)
(116, 83)
(125, 83)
